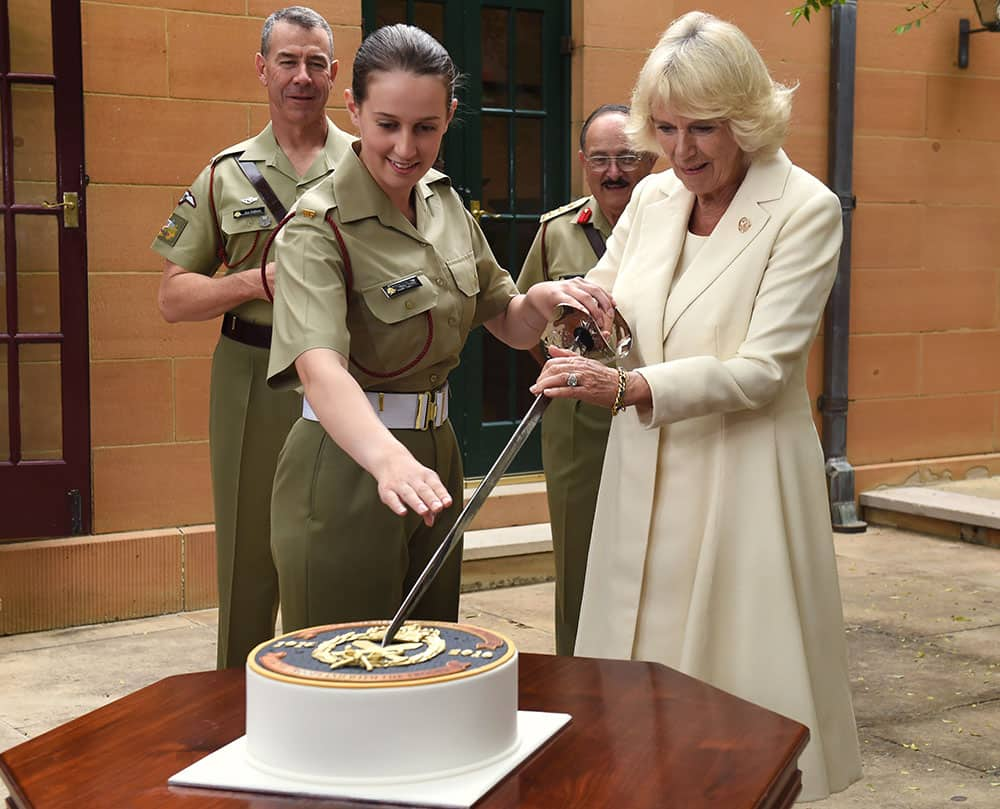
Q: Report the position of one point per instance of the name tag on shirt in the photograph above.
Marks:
(259, 211)
(395, 288)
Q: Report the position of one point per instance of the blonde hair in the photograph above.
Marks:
(705, 68)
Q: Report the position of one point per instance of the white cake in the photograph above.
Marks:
(331, 704)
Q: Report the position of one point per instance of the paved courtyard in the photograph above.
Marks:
(923, 627)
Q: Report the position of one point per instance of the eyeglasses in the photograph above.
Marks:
(625, 162)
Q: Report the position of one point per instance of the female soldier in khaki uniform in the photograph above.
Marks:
(383, 273)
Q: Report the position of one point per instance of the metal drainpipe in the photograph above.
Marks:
(833, 402)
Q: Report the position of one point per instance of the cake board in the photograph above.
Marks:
(228, 768)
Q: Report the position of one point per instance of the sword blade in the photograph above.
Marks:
(517, 440)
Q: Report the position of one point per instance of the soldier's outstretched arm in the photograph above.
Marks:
(526, 316)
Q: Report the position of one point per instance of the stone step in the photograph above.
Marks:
(516, 540)
(968, 510)
(506, 557)
(514, 501)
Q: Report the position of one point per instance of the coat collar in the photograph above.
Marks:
(360, 197)
(600, 220)
(264, 147)
(665, 227)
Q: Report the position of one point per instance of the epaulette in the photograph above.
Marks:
(306, 205)
(235, 149)
(435, 176)
(569, 207)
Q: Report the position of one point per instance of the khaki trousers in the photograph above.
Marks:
(341, 554)
(247, 426)
(574, 437)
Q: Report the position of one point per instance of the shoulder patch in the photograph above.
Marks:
(568, 208)
(172, 229)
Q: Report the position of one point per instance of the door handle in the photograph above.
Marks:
(479, 213)
(70, 206)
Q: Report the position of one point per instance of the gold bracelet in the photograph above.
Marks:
(619, 404)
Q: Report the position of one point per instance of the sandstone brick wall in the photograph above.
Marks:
(169, 82)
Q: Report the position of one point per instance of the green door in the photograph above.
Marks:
(507, 154)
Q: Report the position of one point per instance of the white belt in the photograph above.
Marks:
(402, 411)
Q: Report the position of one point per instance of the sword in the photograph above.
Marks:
(573, 329)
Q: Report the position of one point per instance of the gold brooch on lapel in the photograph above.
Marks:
(743, 224)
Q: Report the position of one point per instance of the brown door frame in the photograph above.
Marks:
(49, 497)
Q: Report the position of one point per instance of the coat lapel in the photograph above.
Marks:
(664, 225)
(739, 226)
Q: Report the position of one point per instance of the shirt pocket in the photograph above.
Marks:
(463, 270)
(245, 230)
(391, 306)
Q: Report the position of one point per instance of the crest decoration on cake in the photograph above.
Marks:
(363, 649)
(351, 655)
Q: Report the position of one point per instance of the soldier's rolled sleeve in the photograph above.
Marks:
(496, 287)
(310, 299)
(195, 246)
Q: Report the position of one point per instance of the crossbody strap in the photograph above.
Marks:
(595, 238)
(252, 173)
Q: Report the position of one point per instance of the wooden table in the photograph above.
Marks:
(642, 737)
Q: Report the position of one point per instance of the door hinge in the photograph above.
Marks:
(566, 46)
(75, 512)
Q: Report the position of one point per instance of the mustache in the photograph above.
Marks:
(619, 183)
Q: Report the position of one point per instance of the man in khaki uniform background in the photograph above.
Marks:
(224, 221)
(574, 434)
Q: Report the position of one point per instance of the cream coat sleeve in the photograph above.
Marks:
(786, 312)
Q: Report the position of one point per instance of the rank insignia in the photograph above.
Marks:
(395, 288)
(309, 213)
(172, 229)
(187, 198)
(258, 211)
(248, 200)
(584, 216)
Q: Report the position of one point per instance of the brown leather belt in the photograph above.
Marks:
(243, 331)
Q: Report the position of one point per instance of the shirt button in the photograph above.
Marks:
(409, 304)
(439, 282)
(434, 378)
(452, 321)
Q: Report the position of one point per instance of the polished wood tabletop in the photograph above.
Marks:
(642, 736)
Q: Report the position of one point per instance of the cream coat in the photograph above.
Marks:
(712, 549)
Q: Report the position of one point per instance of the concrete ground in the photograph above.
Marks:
(923, 627)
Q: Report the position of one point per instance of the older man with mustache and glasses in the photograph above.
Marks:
(574, 434)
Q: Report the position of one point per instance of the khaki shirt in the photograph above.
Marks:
(561, 246)
(403, 308)
(189, 237)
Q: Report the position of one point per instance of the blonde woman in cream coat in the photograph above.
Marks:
(712, 549)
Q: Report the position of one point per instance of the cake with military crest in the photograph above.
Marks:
(332, 703)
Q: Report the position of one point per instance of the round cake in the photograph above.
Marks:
(331, 703)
